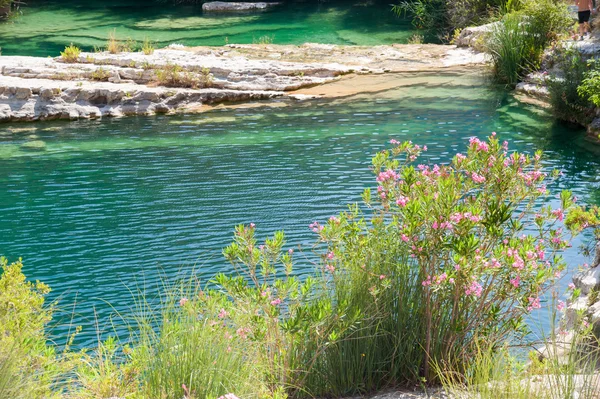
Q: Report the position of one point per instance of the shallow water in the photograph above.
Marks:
(111, 205)
(45, 27)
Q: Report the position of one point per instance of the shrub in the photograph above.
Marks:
(518, 42)
(264, 40)
(100, 74)
(449, 260)
(568, 100)
(115, 46)
(71, 54)
(589, 87)
(172, 75)
(27, 366)
(148, 47)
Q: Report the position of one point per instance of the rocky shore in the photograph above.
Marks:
(179, 79)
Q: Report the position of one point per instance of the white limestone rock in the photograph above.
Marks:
(236, 6)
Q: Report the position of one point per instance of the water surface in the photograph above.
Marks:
(111, 205)
(45, 27)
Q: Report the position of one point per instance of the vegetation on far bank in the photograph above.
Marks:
(429, 281)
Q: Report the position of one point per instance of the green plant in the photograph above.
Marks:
(172, 75)
(264, 40)
(106, 372)
(100, 74)
(416, 39)
(566, 96)
(28, 368)
(517, 43)
(148, 47)
(195, 352)
(71, 54)
(589, 87)
(115, 46)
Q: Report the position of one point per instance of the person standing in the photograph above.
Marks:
(584, 8)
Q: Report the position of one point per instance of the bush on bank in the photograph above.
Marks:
(440, 263)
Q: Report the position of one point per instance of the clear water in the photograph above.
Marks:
(111, 205)
(45, 27)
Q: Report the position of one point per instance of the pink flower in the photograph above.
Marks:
(229, 396)
(252, 225)
(330, 255)
(316, 227)
(402, 201)
(330, 268)
(477, 178)
(515, 281)
(222, 314)
(571, 286)
(426, 282)
(183, 301)
(242, 332)
(404, 238)
(394, 142)
(460, 157)
(474, 289)
(559, 214)
(264, 294)
(382, 277)
(534, 303)
(290, 251)
(560, 306)
(276, 302)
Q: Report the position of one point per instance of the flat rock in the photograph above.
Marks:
(236, 6)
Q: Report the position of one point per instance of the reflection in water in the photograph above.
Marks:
(110, 205)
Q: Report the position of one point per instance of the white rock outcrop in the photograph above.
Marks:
(236, 6)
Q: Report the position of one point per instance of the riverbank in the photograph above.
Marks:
(179, 79)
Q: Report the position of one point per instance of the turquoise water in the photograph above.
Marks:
(45, 27)
(113, 205)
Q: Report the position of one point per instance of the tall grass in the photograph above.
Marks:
(517, 43)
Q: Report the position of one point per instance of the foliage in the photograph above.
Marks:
(27, 366)
(148, 47)
(105, 374)
(500, 375)
(100, 74)
(590, 84)
(517, 43)
(443, 17)
(567, 99)
(71, 54)
(264, 40)
(173, 75)
(115, 46)
(416, 39)
(195, 352)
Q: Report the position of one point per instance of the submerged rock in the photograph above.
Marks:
(36, 145)
(236, 6)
